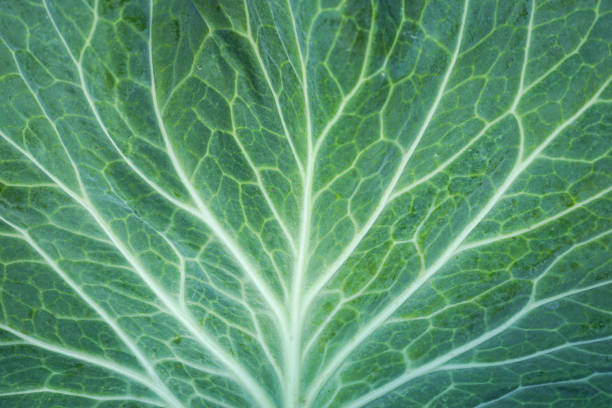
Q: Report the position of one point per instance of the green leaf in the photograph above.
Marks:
(305, 203)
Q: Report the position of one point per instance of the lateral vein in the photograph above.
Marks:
(450, 251)
(206, 214)
(82, 395)
(535, 226)
(78, 355)
(180, 314)
(438, 362)
(160, 387)
(330, 272)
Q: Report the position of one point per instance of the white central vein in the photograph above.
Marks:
(293, 348)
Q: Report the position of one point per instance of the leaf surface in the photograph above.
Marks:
(305, 204)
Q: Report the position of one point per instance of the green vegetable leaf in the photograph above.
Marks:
(318, 203)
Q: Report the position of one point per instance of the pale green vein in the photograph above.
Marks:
(205, 216)
(46, 390)
(215, 401)
(256, 170)
(181, 315)
(198, 367)
(540, 353)
(525, 57)
(282, 224)
(439, 361)
(327, 274)
(45, 113)
(12, 343)
(96, 114)
(317, 333)
(566, 253)
(597, 310)
(448, 254)
(243, 375)
(205, 213)
(81, 356)
(441, 167)
(188, 75)
(536, 225)
(358, 84)
(567, 56)
(541, 385)
(158, 385)
(262, 66)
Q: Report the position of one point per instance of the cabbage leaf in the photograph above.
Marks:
(319, 203)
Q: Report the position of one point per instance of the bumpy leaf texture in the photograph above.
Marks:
(314, 203)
